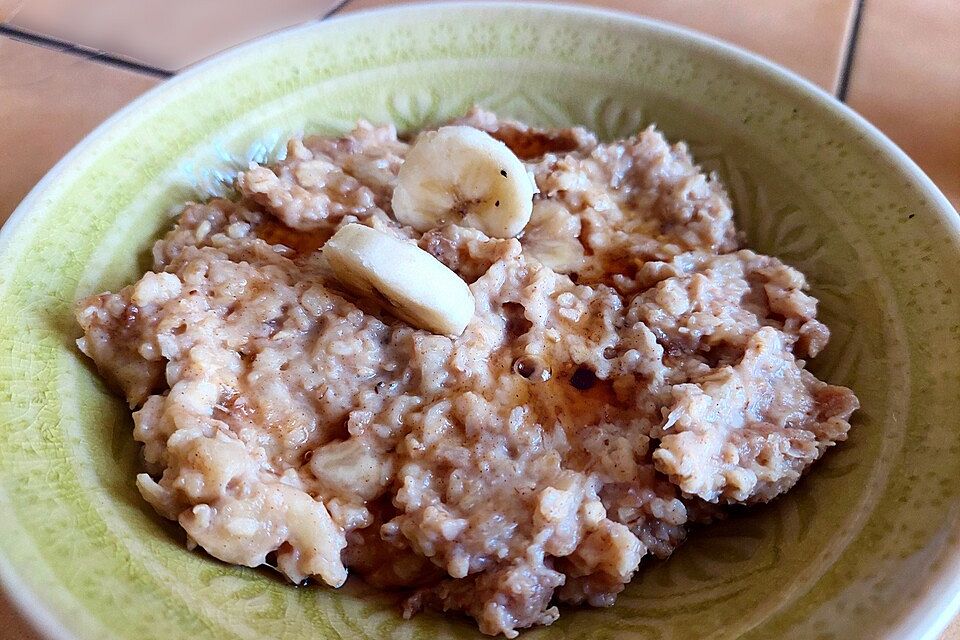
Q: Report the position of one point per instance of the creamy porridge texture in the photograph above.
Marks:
(626, 370)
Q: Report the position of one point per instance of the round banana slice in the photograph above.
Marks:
(411, 283)
(462, 175)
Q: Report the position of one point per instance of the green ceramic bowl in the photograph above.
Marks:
(865, 547)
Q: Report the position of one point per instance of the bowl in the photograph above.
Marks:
(865, 547)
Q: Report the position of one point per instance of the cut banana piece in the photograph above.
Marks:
(553, 237)
(461, 175)
(411, 283)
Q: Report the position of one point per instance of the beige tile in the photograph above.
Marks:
(905, 78)
(168, 34)
(10, 7)
(808, 37)
(50, 100)
(952, 632)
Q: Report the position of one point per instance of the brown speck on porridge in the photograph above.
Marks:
(494, 367)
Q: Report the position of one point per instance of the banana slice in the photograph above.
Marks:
(410, 282)
(462, 175)
(553, 237)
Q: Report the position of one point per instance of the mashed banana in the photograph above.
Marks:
(627, 371)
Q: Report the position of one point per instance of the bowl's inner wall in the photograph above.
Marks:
(820, 562)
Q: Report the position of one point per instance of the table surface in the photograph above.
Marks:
(66, 65)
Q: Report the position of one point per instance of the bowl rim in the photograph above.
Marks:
(939, 602)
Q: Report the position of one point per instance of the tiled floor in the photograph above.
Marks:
(167, 34)
(910, 86)
(49, 100)
(904, 72)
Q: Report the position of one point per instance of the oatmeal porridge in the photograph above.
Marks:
(493, 366)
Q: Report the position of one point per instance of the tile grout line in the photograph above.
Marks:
(336, 9)
(843, 84)
(96, 55)
(81, 51)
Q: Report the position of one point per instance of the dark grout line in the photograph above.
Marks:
(102, 56)
(848, 58)
(82, 52)
(336, 9)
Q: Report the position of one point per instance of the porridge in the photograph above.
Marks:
(492, 366)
